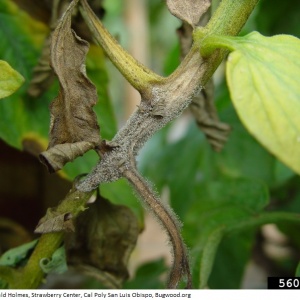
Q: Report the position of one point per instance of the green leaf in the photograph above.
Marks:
(298, 271)
(10, 79)
(220, 207)
(148, 276)
(21, 40)
(234, 252)
(230, 210)
(208, 256)
(57, 263)
(263, 78)
(15, 256)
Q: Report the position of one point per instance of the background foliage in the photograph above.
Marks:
(221, 198)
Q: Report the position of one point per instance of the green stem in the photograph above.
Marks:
(31, 275)
(228, 20)
(230, 17)
(139, 76)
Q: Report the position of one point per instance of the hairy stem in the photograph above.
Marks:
(167, 218)
(163, 100)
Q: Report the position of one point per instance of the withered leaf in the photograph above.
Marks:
(205, 113)
(189, 11)
(55, 158)
(104, 237)
(43, 75)
(60, 218)
(55, 222)
(185, 33)
(72, 117)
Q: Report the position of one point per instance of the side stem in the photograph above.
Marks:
(167, 218)
(139, 76)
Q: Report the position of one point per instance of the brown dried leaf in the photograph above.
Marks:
(42, 73)
(55, 222)
(189, 11)
(104, 238)
(205, 113)
(56, 157)
(72, 117)
(185, 33)
(60, 218)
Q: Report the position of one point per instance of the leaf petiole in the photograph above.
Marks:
(212, 42)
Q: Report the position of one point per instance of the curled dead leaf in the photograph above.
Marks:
(72, 117)
(43, 75)
(185, 33)
(56, 157)
(60, 218)
(50, 12)
(205, 113)
(55, 222)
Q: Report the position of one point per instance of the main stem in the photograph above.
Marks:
(163, 100)
(230, 17)
(193, 72)
(32, 274)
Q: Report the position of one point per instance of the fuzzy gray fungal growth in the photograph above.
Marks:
(165, 103)
(161, 103)
(139, 128)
